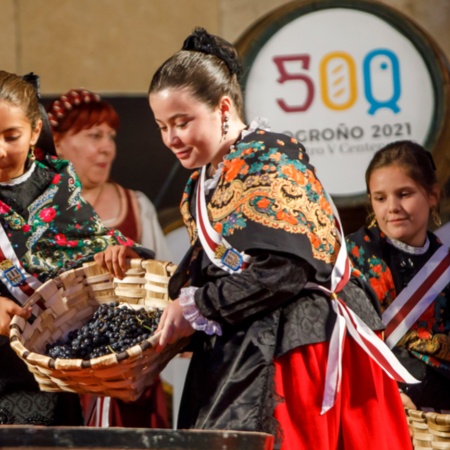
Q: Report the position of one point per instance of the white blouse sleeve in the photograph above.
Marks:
(152, 234)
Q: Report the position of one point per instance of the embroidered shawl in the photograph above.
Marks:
(268, 197)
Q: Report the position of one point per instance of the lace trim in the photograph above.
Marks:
(211, 183)
(20, 179)
(192, 314)
(258, 122)
(409, 248)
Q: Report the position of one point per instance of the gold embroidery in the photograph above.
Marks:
(278, 204)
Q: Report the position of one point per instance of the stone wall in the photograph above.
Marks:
(115, 45)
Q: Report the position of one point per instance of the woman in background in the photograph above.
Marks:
(84, 130)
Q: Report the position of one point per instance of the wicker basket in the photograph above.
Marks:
(429, 430)
(68, 302)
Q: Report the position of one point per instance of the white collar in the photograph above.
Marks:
(20, 179)
(409, 248)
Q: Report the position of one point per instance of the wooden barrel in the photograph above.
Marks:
(77, 438)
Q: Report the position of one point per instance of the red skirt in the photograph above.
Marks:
(368, 413)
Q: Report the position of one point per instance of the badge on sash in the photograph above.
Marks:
(12, 274)
(230, 257)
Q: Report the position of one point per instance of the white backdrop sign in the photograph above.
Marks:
(344, 82)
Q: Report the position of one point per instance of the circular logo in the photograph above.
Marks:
(344, 80)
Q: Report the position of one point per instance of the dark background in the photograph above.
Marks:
(143, 163)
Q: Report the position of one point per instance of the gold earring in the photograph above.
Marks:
(436, 217)
(372, 219)
(32, 155)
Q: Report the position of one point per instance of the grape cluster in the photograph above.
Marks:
(112, 329)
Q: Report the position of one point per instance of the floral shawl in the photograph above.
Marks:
(377, 261)
(269, 198)
(52, 228)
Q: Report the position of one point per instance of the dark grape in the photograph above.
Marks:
(111, 329)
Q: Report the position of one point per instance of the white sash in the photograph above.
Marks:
(219, 251)
(415, 298)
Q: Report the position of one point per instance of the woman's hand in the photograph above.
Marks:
(8, 309)
(407, 402)
(173, 325)
(114, 259)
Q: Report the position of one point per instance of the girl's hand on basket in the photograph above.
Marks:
(173, 325)
(8, 309)
(114, 259)
(407, 402)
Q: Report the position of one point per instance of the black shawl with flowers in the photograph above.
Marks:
(52, 228)
(388, 270)
(269, 203)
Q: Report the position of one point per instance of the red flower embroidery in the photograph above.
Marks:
(61, 239)
(4, 208)
(56, 179)
(47, 214)
(126, 241)
(26, 228)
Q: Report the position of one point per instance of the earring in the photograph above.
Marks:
(31, 154)
(372, 219)
(225, 127)
(436, 217)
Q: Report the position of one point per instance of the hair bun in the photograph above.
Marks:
(34, 80)
(201, 41)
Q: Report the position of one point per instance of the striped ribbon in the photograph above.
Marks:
(417, 296)
(219, 251)
(346, 320)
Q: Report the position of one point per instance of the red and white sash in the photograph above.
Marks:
(18, 282)
(346, 319)
(98, 412)
(219, 251)
(415, 298)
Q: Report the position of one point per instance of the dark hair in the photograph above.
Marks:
(19, 92)
(208, 66)
(413, 158)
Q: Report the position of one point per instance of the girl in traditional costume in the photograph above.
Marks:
(281, 332)
(408, 268)
(46, 227)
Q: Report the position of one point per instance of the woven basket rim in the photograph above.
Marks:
(130, 354)
(65, 303)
